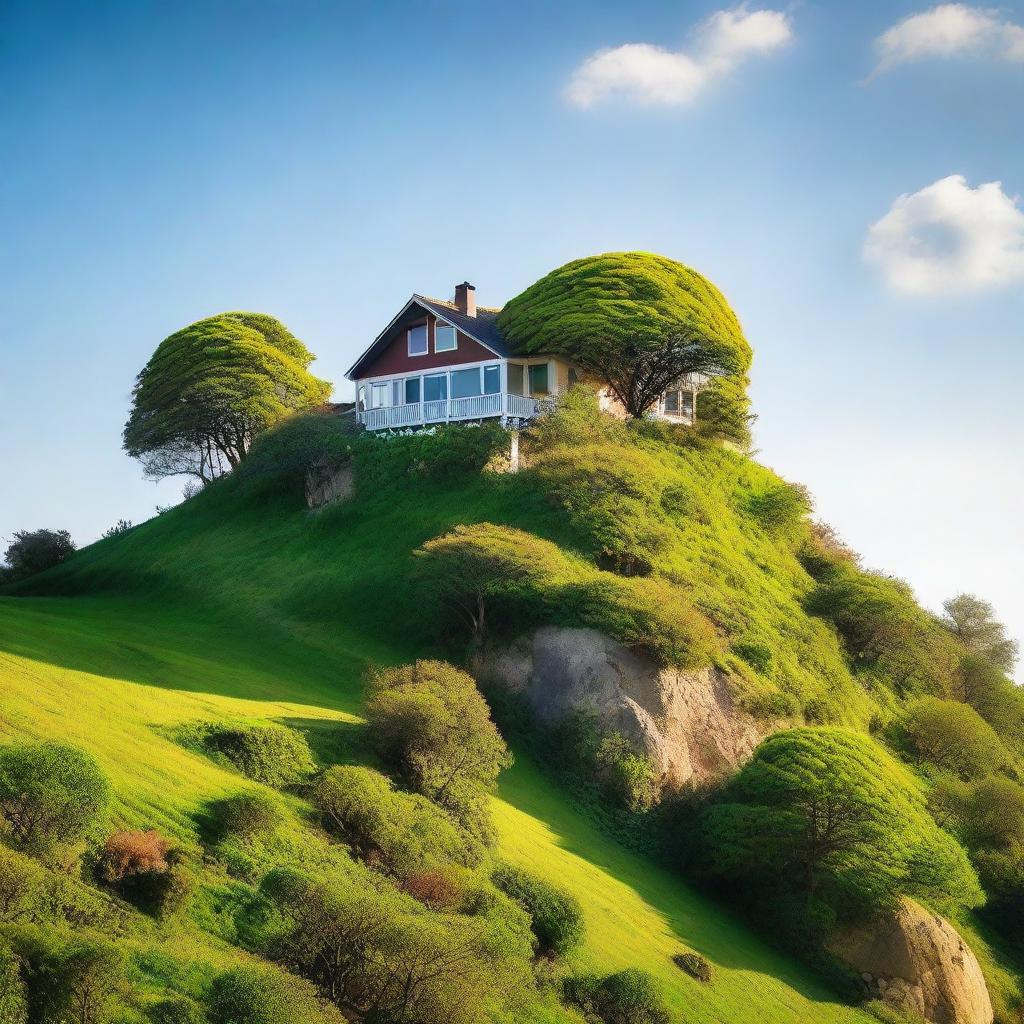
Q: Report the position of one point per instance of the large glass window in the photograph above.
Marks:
(435, 387)
(380, 395)
(492, 380)
(465, 383)
(672, 401)
(445, 339)
(397, 392)
(418, 340)
(539, 379)
(515, 378)
(412, 390)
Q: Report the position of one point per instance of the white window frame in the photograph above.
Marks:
(441, 325)
(426, 340)
(447, 386)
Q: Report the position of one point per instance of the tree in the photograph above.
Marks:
(634, 321)
(828, 815)
(261, 995)
(952, 736)
(429, 722)
(556, 916)
(50, 793)
(33, 551)
(211, 388)
(973, 621)
(13, 1009)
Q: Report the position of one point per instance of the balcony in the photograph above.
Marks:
(451, 410)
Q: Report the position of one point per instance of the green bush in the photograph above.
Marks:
(246, 815)
(34, 551)
(951, 736)
(50, 794)
(177, 1010)
(626, 997)
(994, 814)
(828, 817)
(272, 754)
(780, 509)
(402, 832)
(430, 724)
(13, 1004)
(261, 995)
(695, 965)
(556, 916)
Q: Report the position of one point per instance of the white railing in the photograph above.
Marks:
(476, 407)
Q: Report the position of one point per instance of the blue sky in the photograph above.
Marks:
(321, 161)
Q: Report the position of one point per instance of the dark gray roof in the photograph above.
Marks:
(483, 327)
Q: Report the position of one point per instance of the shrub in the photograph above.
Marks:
(556, 917)
(33, 551)
(121, 527)
(177, 1010)
(50, 794)
(246, 815)
(626, 997)
(952, 736)
(780, 509)
(441, 888)
(429, 722)
(23, 887)
(261, 995)
(994, 813)
(403, 832)
(272, 754)
(132, 853)
(13, 1004)
(826, 817)
(695, 966)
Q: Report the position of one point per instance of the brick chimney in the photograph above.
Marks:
(465, 298)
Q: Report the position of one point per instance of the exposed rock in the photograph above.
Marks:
(327, 482)
(686, 722)
(917, 963)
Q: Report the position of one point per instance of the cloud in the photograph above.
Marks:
(947, 31)
(651, 75)
(949, 237)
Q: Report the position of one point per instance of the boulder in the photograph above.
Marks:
(686, 722)
(916, 962)
(327, 482)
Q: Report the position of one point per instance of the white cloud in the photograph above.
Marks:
(946, 31)
(649, 74)
(949, 237)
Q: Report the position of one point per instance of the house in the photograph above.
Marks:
(444, 362)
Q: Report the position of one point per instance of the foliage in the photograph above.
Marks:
(34, 551)
(246, 815)
(952, 737)
(556, 916)
(121, 527)
(429, 722)
(402, 832)
(973, 622)
(260, 995)
(829, 815)
(177, 1009)
(626, 997)
(50, 794)
(780, 508)
(635, 321)
(269, 753)
(133, 853)
(695, 966)
(886, 631)
(13, 1005)
(995, 814)
(211, 388)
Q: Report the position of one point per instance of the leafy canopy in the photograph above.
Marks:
(973, 621)
(953, 737)
(634, 320)
(211, 388)
(33, 551)
(828, 815)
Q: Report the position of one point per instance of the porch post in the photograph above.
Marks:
(503, 387)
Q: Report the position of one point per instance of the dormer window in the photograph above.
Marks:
(418, 340)
(445, 339)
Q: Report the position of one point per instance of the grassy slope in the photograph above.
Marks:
(226, 608)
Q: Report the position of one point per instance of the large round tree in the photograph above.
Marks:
(637, 322)
(211, 388)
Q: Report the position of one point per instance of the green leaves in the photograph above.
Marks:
(211, 388)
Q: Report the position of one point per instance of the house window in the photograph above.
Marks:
(492, 380)
(574, 377)
(515, 378)
(465, 383)
(539, 379)
(445, 339)
(672, 402)
(435, 387)
(418, 340)
(380, 395)
(412, 390)
(688, 404)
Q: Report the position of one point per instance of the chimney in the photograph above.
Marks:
(465, 298)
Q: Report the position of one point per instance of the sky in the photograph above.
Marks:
(848, 174)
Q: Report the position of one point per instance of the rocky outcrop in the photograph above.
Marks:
(916, 962)
(686, 722)
(326, 482)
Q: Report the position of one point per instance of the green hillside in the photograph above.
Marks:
(242, 604)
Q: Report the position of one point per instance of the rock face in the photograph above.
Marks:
(916, 962)
(686, 722)
(326, 483)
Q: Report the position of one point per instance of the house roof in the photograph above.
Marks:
(482, 328)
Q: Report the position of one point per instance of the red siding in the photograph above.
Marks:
(396, 359)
